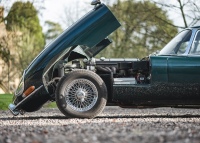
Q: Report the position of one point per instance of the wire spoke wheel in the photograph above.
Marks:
(81, 95)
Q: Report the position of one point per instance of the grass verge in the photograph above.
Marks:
(50, 105)
(5, 100)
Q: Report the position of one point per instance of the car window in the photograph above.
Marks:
(178, 45)
(195, 49)
(183, 47)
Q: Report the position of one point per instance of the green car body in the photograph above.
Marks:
(174, 77)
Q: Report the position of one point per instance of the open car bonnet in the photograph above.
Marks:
(90, 31)
(88, 35)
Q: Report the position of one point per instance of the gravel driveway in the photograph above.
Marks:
(114, 125)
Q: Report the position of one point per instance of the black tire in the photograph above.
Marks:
(68, 84)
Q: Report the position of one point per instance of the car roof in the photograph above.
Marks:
(192, 27)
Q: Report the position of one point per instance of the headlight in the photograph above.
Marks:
(20, 87)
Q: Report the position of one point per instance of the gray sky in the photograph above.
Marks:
(58, 11)
(61, 10)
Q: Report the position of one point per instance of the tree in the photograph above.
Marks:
(144, 29)
(21, 43)
(24, 47)
(4, 54)
(73, 12)
(187, 10)
(5, 63)
(24, 16)
(4, 51)
(54, 29)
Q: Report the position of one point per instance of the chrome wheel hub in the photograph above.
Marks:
(81, 95)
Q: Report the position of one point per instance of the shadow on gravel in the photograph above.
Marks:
(153, 116)
(101, 117)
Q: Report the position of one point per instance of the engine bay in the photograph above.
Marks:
(123, 71)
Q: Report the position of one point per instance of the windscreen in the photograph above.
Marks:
(178, 44)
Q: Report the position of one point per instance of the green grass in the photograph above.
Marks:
(50, 105)
(5, 100)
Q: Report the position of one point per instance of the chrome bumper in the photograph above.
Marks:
(15, 109)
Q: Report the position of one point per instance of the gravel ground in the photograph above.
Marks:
(114, 125)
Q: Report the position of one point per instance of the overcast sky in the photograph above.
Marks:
(67, 11)
(57, 11)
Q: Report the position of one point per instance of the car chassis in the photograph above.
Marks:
(67, 72)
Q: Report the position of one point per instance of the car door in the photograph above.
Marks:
(184, 70)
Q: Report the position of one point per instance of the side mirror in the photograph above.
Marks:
(95, 2)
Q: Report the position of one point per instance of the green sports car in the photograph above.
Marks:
(67, 72)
